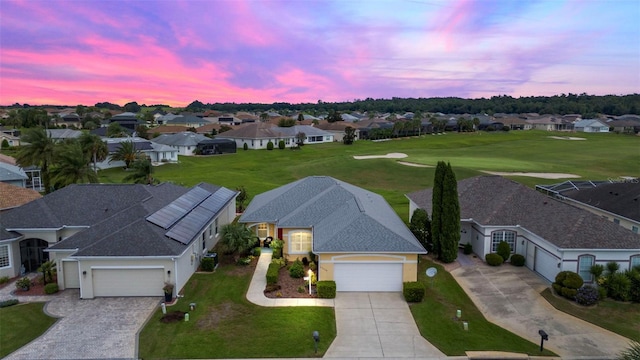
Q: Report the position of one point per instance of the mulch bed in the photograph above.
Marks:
(288, 286)
(36, 289)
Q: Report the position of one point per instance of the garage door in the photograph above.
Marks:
(368, 277)
(546, 264)
(128, 282)
(71, 274)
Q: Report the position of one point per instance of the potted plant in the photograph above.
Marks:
(23, 284)
(168, 292)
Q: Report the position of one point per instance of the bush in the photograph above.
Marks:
(561, 276)
(413, 291)
(596, 270)
(5, 144)
(270, 145)
(276, 245)
(255, 251)
(517, 260)
(602, 293)
(569, 293)
(312, 266)
(51, 288)
(207, 264)
(612, 267)
(468, 249)
(572, 280)
(326, 289)
(8, 303)
(4, 280)
(296, 270)
(587, 295)
(634, 291)
(23, 283)
(281, 262)
(272, 274)
(494, 259)
(244, 261)
(245, 146)
(618, 286)
(630, 353)
(281, 145)
(504, 250)
(557, 288)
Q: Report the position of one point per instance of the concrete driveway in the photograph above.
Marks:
(510, 297)
(377, 325)
(102, 328)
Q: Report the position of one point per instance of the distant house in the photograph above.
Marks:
(13, 175)
(188, 143)
(338, 129)
(550, 123)
(127, 120)
(591, 126)
(70, 120)
(12, 140)
(258, 135)
(13, 196)
(624, 126)
(58, 135)
(370, 127)
(186, 121)
(157, 153)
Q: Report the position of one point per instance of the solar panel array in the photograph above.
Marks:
(177, 209)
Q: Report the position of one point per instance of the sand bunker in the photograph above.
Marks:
(536, 175)
(388, 156)
(414, 164)
(566, 138)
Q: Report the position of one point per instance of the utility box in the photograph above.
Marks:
(214, 256)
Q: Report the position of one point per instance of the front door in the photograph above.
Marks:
(32, 254)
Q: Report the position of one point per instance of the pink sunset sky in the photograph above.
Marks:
(175, 52)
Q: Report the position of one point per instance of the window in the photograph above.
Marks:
(204, 243)
(262, 231)
(4, 256)
(634, 229)
(508, 236)
(300, 242)
(215, 225)
(634, 261)
(585, 262)
(616, 221)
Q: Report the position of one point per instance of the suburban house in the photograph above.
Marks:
(591, 126)
(12, 196)
(360, 241)
(186, 121)
(617, 200)
(550, 123)
(188, 143)
(338, 129)
(13, 175)
(58, 135)
(11, 139)
(157, 153)
(127, 120)
(552, 235)
(116, 240)
(257, 135)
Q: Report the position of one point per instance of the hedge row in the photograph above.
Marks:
(413, 291)
(326, 289)
(272, 274)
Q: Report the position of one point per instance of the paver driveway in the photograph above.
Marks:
(102, 328)
(376, 325)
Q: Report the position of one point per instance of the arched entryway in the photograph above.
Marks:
(32, 253)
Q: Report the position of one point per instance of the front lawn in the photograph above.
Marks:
(20, 324)
(226, 325)
(620, 318)
(436, 319)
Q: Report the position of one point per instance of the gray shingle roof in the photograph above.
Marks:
(622, 198)
(497, 201)
(344, 218)
(186, 138)
(10, 172)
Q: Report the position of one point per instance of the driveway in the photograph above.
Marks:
(377, 325)
(90, 329)
(510, 297)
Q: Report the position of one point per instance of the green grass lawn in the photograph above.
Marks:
(436, 319)
(19, 324)
(620, 318)
(226, 325)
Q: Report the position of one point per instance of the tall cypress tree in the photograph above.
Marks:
(436, 208)
(450, 219)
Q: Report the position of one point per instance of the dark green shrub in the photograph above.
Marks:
(207, 264)
(572, 280)
(561, 276)
(618, 286)
(270, 145)
(272, 274)
(51, 288)
(245, 146)
(468, 249)
(612, 267)
(4, 280)
(494, 259)
(281, 145)
(597, 270)
(634, 291)
(587, 295)
(504, 250)
(301, 289)
(8, 303)
(602, 293)
(296, 270)
(276, 245)
(281, 262)
(255, 251)
(517, 260)
(244, 261)
(569, 293)
(557, 288)
(630, 353)
(413, 291)
(5, 144)
(326, 289)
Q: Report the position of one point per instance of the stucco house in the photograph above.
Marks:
(360, 241)
(185, 142)
(13, 175)
(116, 240)
(553, 236)
(157, 153)
(591, 126)
(258, 135)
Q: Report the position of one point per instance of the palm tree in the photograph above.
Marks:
(72, 166)
(126, 152)
(236, 237)
(142, 171)
(95, 147)
(39, 152)
(47, 269)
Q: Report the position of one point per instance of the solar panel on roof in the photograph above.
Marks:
(177, 209)
(189, 226)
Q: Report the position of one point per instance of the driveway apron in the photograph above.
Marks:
(102, 328)
(377, 325)
(510, 297)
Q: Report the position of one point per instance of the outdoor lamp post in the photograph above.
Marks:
(543, 337)
(310, 273)
(316, 340)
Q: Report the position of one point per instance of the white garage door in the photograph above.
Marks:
(128, 282)
(546, 264)
(71, 274)
(368, 277)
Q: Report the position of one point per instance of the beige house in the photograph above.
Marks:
(361, 243)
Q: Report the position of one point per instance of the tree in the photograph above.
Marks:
(132, 107)
(300, 137)
(142, 131)
(236, 238)
(349, 135)
(264, 117)
(286, 122)
(300, 117)
(334, 116)
(241, 198)
(72, 165)
(115, 130)
(39, 152)
(450, 218)
(126, 152)
(94, 147)
(420, 226)
(436, 206)
(142, 171)
(47, 269)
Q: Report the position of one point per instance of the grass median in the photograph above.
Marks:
(20, 324)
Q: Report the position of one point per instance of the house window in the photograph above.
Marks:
(634, 261)
(204, 243)
(215, 225)
(616, 221)
(262, 231)
(4, 256)
(300, 242)
(634, 229)
(508, 236)
(585, 262)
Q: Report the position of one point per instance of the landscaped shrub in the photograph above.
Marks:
(587, 295)
(602, 293)
(297, 269)
(23, 283)
(9, 302)
(4, 280)
(561, 276)
(281, 262)
(276, 245)
(569, 293)
(557, 288)
(618, 286)
(207, 264)
(630, 353)
(270, 145)
(272, 274)
(467, 249)
(572, 280)
(504, 250)
(255, 251)
(245, 146)
(313, 266)
(413, 291)
(634, 291)
(567, 284)
(494, 259)
(244, 261)
(281, 145)
(326, 289)
(597, 270)
(612, 267)
(517, 260)
(51, 288)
